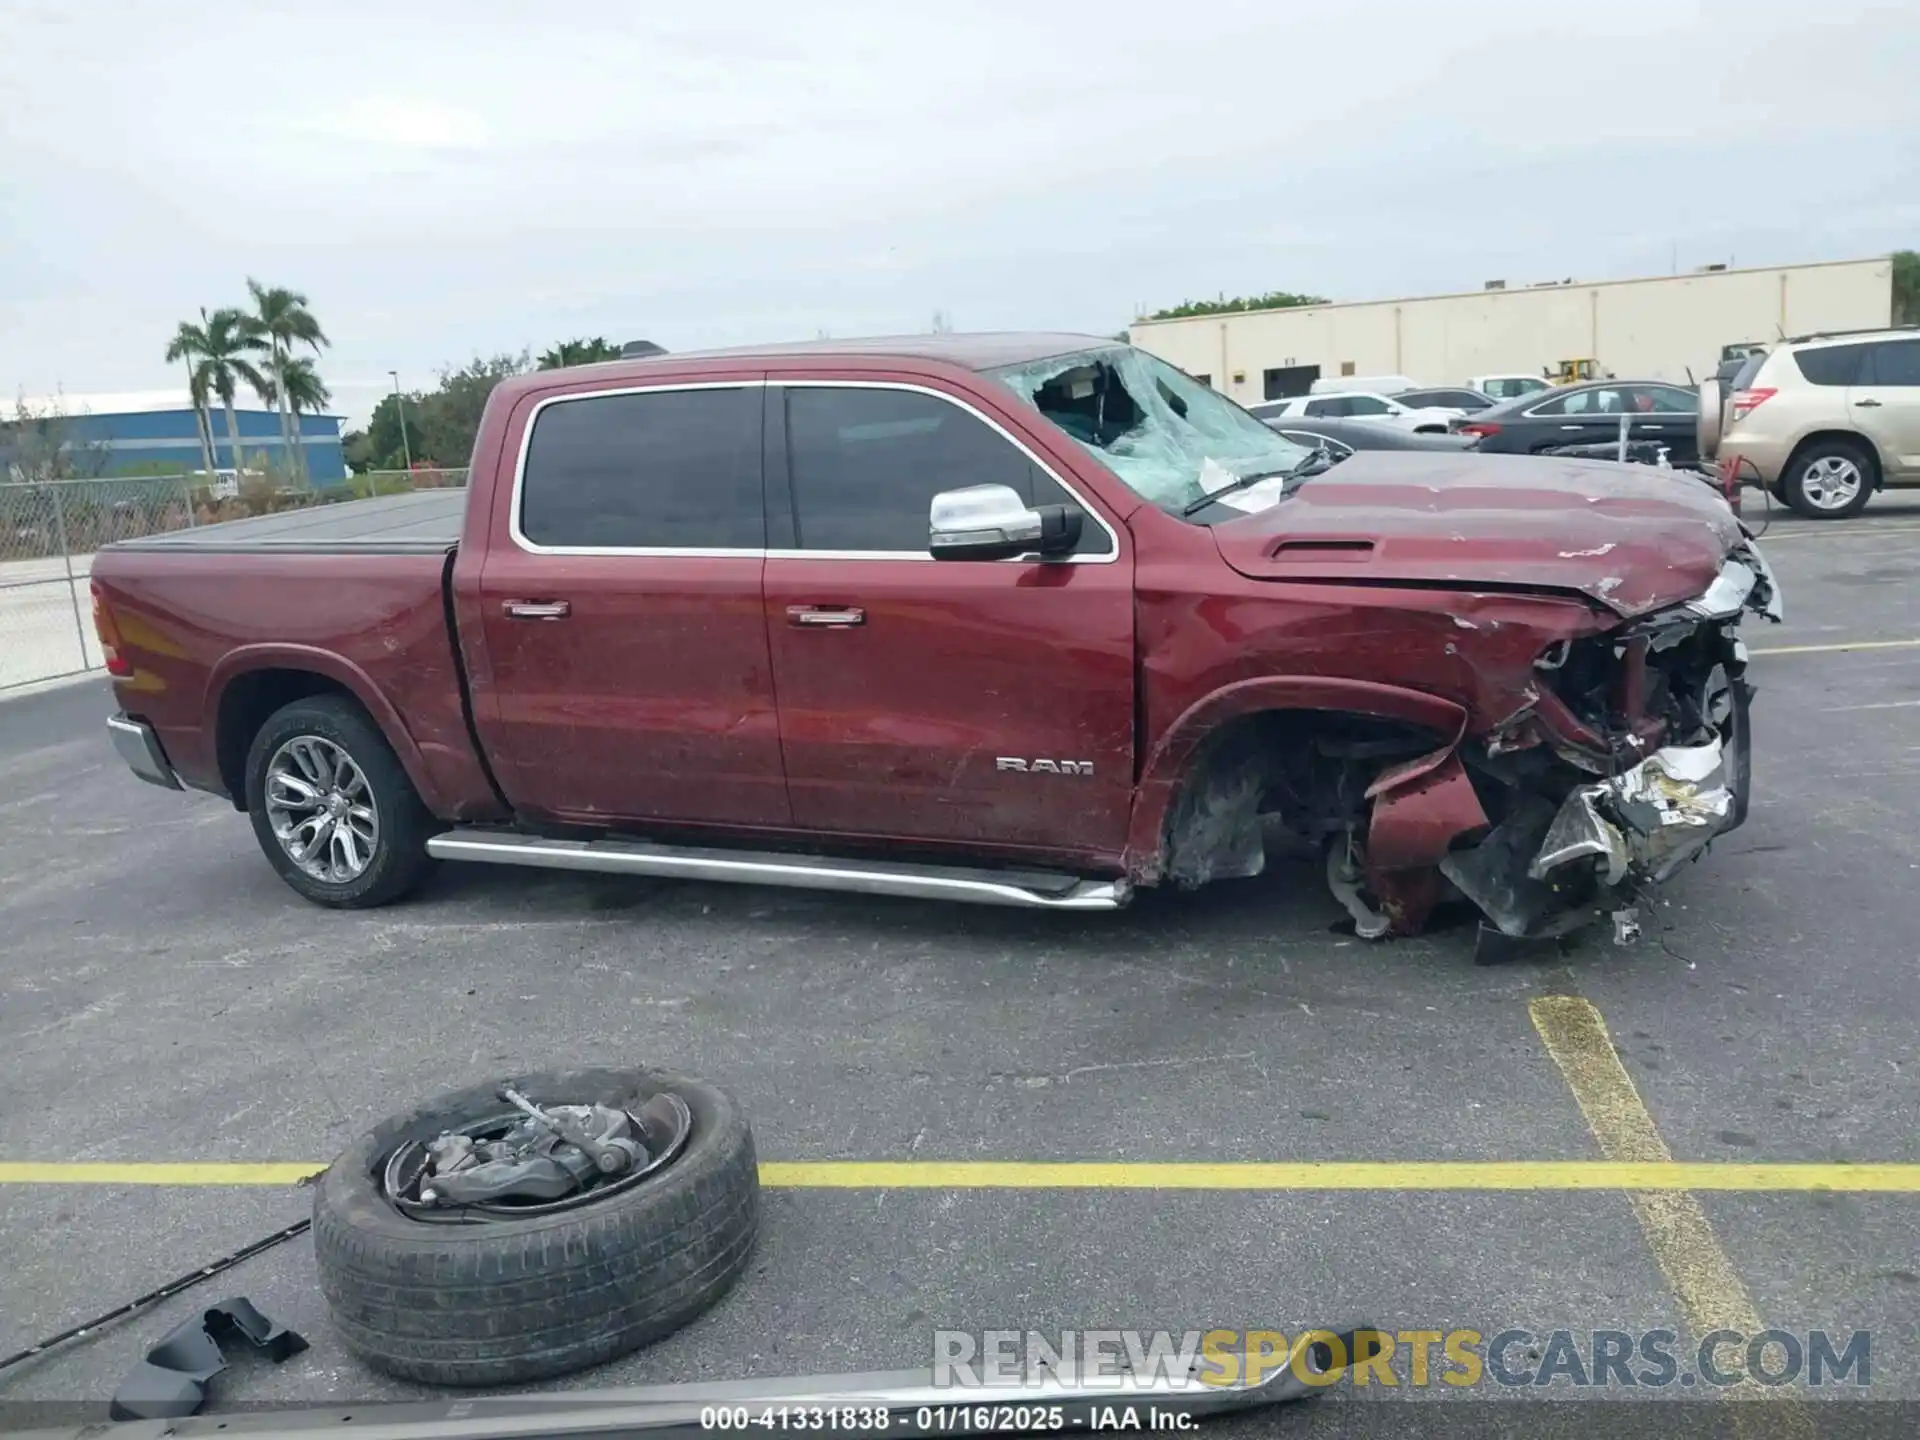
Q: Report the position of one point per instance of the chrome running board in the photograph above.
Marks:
(1033, 889)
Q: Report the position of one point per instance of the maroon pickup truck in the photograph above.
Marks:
(1018, 619)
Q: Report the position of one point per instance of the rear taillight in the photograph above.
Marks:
(1745, 402)
(1478, 428)
(109, 634)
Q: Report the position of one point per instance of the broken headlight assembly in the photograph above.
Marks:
(1649, 758)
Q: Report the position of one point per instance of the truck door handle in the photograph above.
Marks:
(537, 609)
(1573, 427)
(820, 617)
(1868, 404)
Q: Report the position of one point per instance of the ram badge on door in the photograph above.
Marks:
(1044, 767)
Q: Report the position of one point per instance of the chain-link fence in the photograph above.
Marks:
(50, 530)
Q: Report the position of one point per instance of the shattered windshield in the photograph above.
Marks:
(1171, 439)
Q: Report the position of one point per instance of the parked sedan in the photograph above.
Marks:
(1359, 405)
(1589, 414)
(1340, 438)
(1447, 397)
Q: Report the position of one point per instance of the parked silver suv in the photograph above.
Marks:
(1822, 421)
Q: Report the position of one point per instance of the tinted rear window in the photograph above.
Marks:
(1830, 364)
(1894, 362)
(670, 468)
(1749, 367)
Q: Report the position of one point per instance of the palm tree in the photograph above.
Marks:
(225, 365)
(189, 346)
(303, 391)
(282, 320)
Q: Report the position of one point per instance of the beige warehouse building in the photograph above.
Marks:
(1658, 328)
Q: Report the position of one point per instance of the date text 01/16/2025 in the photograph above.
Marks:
(945, 1419)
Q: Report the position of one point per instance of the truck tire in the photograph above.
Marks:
(323, 759)
(1828, 480)
(508, 1300)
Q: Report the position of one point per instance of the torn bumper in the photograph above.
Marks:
(1546, 869)
(1646, 822)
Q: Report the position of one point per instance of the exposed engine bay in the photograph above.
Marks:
(1629, 752)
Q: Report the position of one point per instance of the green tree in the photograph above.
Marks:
(578, 352)
(384, 449)
(1906, 287)
(280, 321)
(356, 447)
(1272, 300)
(38, 445)
(302, 392)
(226, 344)
(443, 422)
(189, 347)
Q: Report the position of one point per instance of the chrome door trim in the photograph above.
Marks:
(533, 547)
(794, 382)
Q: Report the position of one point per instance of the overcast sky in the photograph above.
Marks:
(445, 179)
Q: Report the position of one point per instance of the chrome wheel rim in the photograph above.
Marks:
(1831, 482)
(322, 810)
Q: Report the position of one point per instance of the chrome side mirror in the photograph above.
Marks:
(992, 522)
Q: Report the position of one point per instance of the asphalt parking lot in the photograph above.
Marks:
(164, 998)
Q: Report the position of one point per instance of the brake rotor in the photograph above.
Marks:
(525, 1162)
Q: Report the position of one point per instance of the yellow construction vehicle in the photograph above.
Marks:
(1570, 372)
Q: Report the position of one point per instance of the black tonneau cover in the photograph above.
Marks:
(426, 522)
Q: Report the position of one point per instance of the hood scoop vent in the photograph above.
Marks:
(1329, 549)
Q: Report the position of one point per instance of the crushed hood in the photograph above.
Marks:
(1634, 538)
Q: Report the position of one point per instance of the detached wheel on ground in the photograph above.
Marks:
(332, 808)
(470, 1243)
(1829, 480)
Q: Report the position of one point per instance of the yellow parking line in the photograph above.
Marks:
(1659, 1174)
(1337, 1175)
(163, 1172)
(1846, 645)
(1676, 1228)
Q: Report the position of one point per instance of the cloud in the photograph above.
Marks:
(452, 177)
(409, 124)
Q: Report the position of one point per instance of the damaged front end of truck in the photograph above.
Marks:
(1630, 753)
(1589, 755)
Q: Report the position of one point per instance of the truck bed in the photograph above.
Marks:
(425, 522)
(241, 617)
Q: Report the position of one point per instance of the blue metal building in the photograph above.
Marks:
(147, 430)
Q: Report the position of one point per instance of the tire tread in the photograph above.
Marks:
(506, 1302)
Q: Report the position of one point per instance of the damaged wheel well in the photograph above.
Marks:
(1308, 768)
